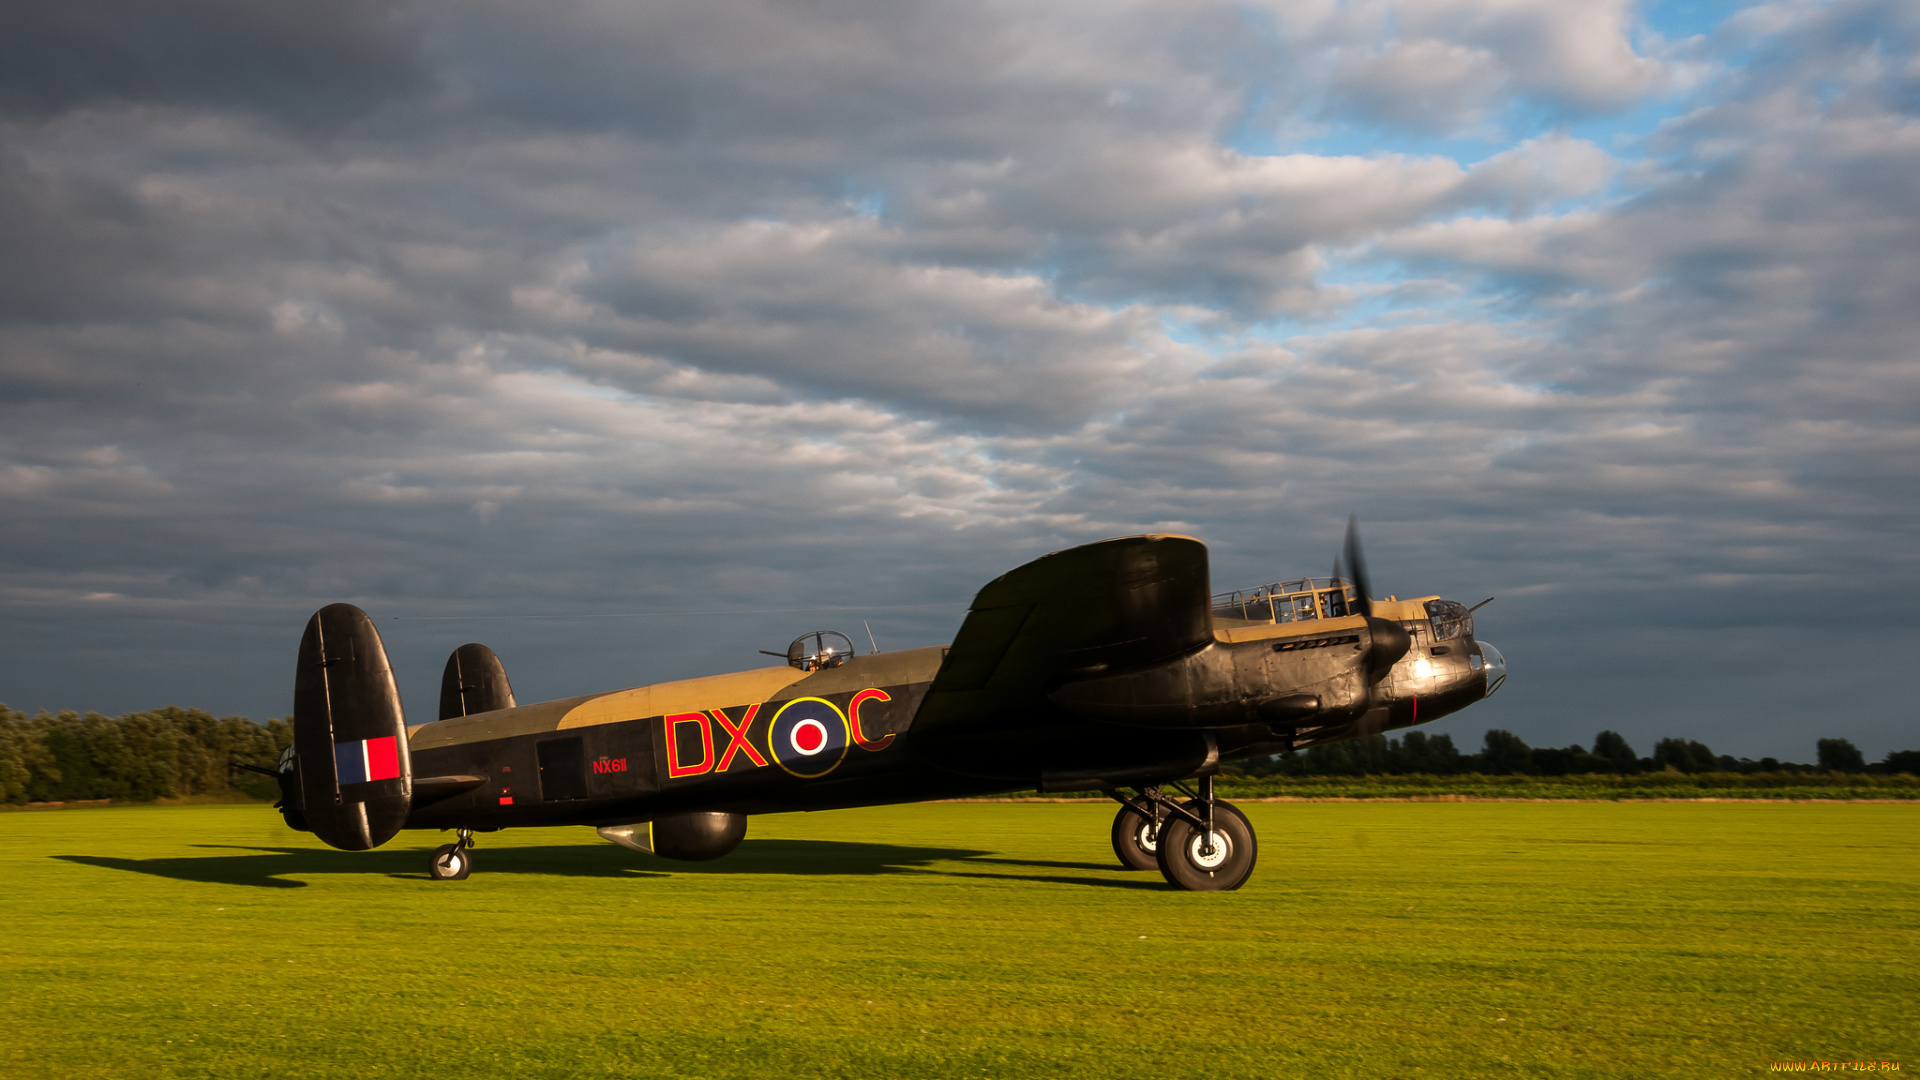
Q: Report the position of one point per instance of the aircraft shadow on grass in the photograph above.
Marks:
(284, 867)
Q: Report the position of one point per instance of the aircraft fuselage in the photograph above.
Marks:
(782, 739)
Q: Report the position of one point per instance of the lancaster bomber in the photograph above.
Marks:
(1107, 667)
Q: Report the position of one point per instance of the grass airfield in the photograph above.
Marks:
(970, 940)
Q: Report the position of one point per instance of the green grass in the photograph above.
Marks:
(970, 940)
(1774, 786)
(1655, 785)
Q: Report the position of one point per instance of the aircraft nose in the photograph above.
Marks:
(1496, 667)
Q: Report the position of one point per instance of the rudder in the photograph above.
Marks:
(349, 733)
(474, 682)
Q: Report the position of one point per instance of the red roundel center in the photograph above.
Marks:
(809, 737)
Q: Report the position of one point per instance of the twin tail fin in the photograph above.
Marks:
(350, 778)
(349, 733)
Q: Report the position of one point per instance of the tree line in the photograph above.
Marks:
(1506, 754)
(142, 756)
(173, 752)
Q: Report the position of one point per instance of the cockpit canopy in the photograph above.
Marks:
(1287, 601)
(1325, 598)
(1451, 619)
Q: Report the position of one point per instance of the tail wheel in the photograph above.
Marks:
(451, 862)
(1135, 839)
(1190, 859)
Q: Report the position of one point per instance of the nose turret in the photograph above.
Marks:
(1496, 667)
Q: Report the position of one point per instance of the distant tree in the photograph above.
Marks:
(1352, 757)
(1571, 761)
(1416, 752)
(1684, 755)
(14, 753)
(1611, 747)
(1445, 757)
(1506, 753)
(1704, 760)
(1671, 754)
(1551, 760)
(1839, 755)
(1420, 753)
(139, 756)
(73, 775)
(1900, 761)
(1372, 754)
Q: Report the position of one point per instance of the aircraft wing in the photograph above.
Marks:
(1086, 611)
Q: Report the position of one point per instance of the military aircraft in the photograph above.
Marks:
(1104, 667)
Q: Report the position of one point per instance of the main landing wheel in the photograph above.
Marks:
(1191, 859)
(451, 862)
(1135, 839)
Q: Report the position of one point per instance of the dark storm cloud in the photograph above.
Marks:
(477, 309)
(318, 62)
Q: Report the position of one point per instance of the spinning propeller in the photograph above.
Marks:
(1390, 640)
(1351, 560)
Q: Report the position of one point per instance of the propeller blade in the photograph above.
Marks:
(1390, 640)
(1356, 563)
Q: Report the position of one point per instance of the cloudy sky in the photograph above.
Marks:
(630, 338)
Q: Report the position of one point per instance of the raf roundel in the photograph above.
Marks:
(808, 737)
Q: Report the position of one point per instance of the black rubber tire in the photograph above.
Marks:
(1185, 867)
(1133, 840)
(450, 862)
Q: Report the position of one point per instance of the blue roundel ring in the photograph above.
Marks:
(808, 737)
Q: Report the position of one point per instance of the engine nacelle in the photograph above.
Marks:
(692, 837)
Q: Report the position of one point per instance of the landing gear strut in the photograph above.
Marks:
(1204, 844)
(453, 862)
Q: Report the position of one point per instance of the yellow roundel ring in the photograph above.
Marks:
(808, 737)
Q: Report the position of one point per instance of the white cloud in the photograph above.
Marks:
(1458, 65)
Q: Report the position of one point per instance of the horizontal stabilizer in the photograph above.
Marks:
(432, 789)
